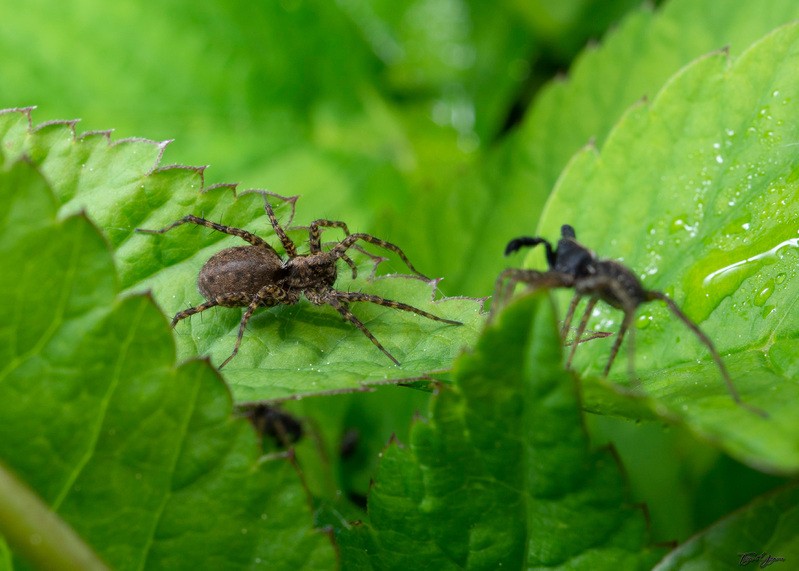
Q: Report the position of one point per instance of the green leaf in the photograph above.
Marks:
(502, 475)
(144, 460)
(759, 536)
(238, 89)
(633, 61)
(698, 193)
(231, 75)
(287, 351)
(504, 194)
(567, 25)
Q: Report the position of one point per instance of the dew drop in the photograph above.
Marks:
(722, 272)
(765, 292)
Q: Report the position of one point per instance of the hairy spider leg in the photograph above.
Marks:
(192, 310)
(628, 307)
(267, 296)
(507, 280)
(288, 245)
(374, 257)
(580, 327)
(675, 309)
(567, 321)
(367, 253)
(315, 239)
(236, 299)
(340, 300)
(191, 219)
(350, 296)
(345, 312)
(351, 264)
(511, 277)
(349, 241)
(315, 232)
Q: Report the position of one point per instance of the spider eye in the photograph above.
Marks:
(567, 231)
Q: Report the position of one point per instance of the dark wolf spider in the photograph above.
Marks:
(256, 276)
(572, 265)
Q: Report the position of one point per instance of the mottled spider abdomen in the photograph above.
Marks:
(241, 269)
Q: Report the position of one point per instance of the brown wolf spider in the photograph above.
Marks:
(256, 276)
(572, 265)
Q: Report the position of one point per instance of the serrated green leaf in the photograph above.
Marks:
(702, 186)
(504, 194)
(142, 459)
(239, 89)
(761, 535)
(238, 73)
(287, 351)
(502, 475)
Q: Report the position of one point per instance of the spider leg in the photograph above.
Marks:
(192, 310)
(191, 219)
(367, 253)
(288, 245)
(607, 288)
(656, 295)
(237, 299)
(345, 312)
(267, 295)
(358, 296)
(625, 325)
(351, 239)
(315, 232)
(589, 307)
(506, 282)
(245, 318)
(376, 259)
(509, 278)
(567, 321)
(351, 264)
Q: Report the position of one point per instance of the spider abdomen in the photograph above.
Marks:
(241, 269)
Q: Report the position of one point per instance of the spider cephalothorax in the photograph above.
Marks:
(257, 276)
(573, 266)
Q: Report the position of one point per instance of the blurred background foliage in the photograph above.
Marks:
(375, 111)
(409, 119)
